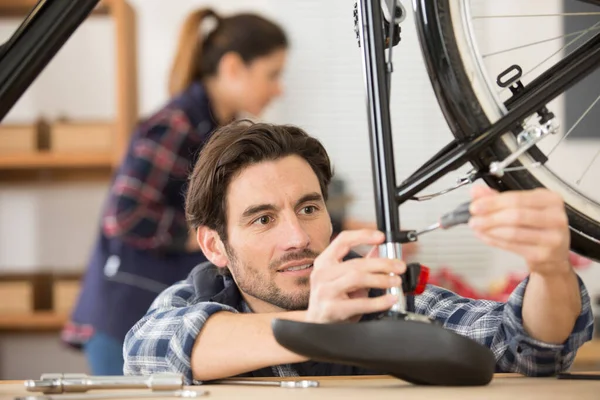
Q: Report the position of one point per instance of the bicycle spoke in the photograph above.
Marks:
(539, 42)
(595, 26)
(579, 14)
(585, 113)
(588, 167)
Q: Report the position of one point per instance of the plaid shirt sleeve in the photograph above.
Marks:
(499, 326)
(162, 340)
(145, 208)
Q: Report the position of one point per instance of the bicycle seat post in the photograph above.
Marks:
(394, 251)
(369, 24)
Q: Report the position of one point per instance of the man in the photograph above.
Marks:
(257, 199)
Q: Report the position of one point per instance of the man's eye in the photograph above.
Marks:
(264, 220)
(309, 209)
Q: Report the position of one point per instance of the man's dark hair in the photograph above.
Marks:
(233, 147)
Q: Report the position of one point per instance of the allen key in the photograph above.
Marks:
(284, 384)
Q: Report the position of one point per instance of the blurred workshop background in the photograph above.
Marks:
(60, 142)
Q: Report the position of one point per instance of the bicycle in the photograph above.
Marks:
(469, 108)
(492, 134)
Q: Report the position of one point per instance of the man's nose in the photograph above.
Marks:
(296, 236)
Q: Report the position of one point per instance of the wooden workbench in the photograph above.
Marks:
(503, 386)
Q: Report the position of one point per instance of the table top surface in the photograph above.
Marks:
(503, 386)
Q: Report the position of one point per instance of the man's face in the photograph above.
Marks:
(277, 224)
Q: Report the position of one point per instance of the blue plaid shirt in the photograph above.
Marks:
(162, 341)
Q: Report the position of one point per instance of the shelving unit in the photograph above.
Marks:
(47, 160)
(125, 102)
(40, 321)
(37, 302)
(47, 164)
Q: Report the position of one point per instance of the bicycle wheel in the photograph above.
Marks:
(471, 100)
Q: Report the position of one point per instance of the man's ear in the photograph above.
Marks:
(212, 246)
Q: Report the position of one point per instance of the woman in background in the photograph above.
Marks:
(143, 244)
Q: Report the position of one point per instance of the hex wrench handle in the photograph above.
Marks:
(64, 383)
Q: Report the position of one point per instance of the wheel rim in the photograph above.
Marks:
(493, 107)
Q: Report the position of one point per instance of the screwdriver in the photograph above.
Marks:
(460, 215)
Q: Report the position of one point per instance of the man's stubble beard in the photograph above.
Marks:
(250, 281)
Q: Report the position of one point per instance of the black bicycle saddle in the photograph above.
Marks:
(414, 351)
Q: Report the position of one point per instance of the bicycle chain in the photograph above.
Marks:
(396, 39)
(356, 28)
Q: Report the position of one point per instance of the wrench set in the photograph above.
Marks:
(165, 385)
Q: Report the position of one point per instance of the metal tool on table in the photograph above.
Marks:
(284, 384)
(163, 394)
(460, 215)
(64, 383)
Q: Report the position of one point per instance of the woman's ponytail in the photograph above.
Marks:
(189, 48)
(198, 53)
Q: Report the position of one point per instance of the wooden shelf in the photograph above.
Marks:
(41, 321)
(76, 166)
(51, 160)
(20, 8)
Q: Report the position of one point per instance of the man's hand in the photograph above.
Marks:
(339, 289)
(534, 225)
(530, 223)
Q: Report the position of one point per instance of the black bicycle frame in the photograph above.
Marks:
(50, 23)
(41, 35)
(388, 197)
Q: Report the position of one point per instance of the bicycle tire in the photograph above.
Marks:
(465, 116)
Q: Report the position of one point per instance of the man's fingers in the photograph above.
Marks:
(358, 266)
(356, 274)
(345, 309)
(375, 265)
(526, 236)
(519, 217)
(478, 191)
(346, 240)
(533, 254)
(374, 252)
(355, 279)
(536, 198)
